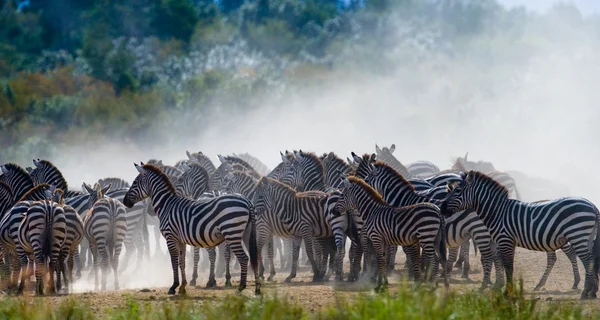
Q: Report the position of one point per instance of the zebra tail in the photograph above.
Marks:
(353, 230)
(252, 243)
(597, 250)
(440, 241)
(474, 246)
(47, 247)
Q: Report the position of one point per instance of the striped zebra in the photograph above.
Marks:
(193, 183)
(334, 169)
(385, 155)
(41, 236)
(115, 183)
(19, 181)
(302, 215)
(9, 231)
(540, 226)
(398, 192)
(422, 169)
(73, 237)
(256, 164)
(46, 172)
(385, 225)
(183, 221)
(203, 160)
(105, 226)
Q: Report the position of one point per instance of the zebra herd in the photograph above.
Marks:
(242, 207)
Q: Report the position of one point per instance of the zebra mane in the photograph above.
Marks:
(39, 188)
(489, 181)
(278, 184)
(458, 164)
(313, 158)
(388, 170)
(368, 189)
(331, 157)
(239, 161)
(156, 170)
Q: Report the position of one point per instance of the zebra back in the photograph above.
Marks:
(116, 183)
(43, 229)
(422, 169)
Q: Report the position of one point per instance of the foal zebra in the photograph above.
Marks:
(540, 226)
(385, 225)
(204, 224)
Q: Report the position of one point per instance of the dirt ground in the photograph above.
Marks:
(529, 265)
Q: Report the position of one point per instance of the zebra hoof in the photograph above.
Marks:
(241, 287)
(228, 283)
(537, 288)
(171, 291)
(270, 278)
(182, 290)
(288, 280)
(193, 282)
(211, 283)
(464, 276)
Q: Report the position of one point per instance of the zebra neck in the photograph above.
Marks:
(366, 205)
(489, 209)
(160, 195)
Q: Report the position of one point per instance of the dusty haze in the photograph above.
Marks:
(521, 95)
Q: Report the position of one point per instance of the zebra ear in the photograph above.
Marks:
(87, 188)
(105, 189)
(189, 155)
(377, 149)
(470, 176)
(392, 148)
(140, 167)
(221, 158)
(3, 169)
(355, 157)
(29, 169)
(36, 162)
(466, 155)
(463, 175)
(373, 157)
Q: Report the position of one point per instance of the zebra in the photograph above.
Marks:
(203, 160)
(335, 168)
(193, 183)
(462, 165)
(73, 237)
(9, 230)
(206, 224)
(398, 192)
(385, 155)
(46, 172)
(540, 226)
(385, 225)
(302, 216)
(116, 183)
(19, 181)
(41, 236)
(105, 226)
(422, 169)
(256, 164)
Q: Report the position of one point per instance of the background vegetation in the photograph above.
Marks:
(73, 71)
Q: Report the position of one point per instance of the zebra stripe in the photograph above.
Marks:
(305, 173)
(6, 198)
(46, 172)
(17, 179)
(540, 226)
(203, 160)
(256, 164)
(105, 226)
(385, 155)
(205, 224)
(41, 237)
(420, 224)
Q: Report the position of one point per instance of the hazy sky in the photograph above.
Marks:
(585, 6)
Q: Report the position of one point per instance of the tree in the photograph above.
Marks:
(175, 19)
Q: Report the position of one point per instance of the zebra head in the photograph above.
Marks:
(346, 201)
(94, 194)
(364, 164)
(461, 195)
(263, 195)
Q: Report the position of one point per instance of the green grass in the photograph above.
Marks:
(405, 304)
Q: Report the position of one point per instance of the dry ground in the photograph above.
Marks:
(151, 285)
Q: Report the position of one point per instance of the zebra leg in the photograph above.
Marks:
(104, 260)
(227, 253)
(391, 258)
(295, 255)
(279, 246)
(355, 255)
(70, 261)
(570, 252)
(262, 238)
(461, 257)
(195, 266)
(332, 253)
(77, 261)
(381, 251)
(157, 250)
(507, 252)
(499, 265)
(173, 246)
(482, 241)
(270, 258)
(466, 263)
(340, 253)
(220, 270)
(452, 256)
(212, 256)
(309, 244)
(414, 253)
(551, 260)
(238, 250)
(181, 247)
(288, 256)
